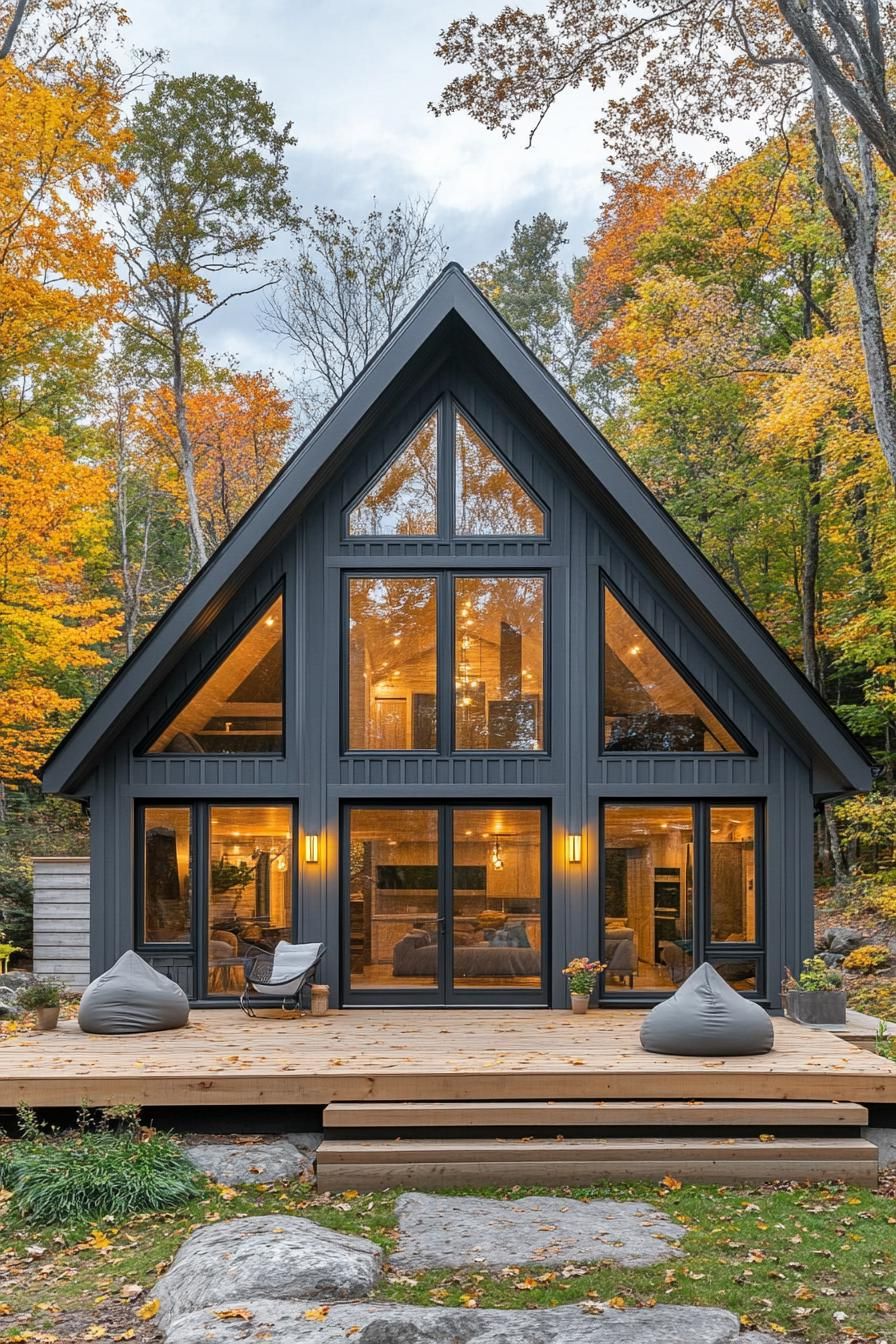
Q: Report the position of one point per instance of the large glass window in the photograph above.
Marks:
(392, 664)
(393, 898)
(167, 875)
(499, 663)
(496, 898)
(488, 500)
(250, 859)
(238, 708)
(647, 704)
(403, 500)
(732, 874)
(444, 901)
(648, 883)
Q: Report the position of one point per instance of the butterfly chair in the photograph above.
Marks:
(279, 980)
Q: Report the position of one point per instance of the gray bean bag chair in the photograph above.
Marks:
(705, 1016)
(132, 997)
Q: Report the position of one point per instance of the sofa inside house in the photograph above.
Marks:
(479, 952)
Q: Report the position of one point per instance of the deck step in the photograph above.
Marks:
(432, 1164)
(558, 1116)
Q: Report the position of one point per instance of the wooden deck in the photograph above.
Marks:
(224, 1059)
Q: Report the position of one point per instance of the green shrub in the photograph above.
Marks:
(42, 994)
(114, 1170)
(816, 974)
(874, 957)
(109, 1173)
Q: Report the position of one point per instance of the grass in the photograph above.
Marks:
(817, 1262)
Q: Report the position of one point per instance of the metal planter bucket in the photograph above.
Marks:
(817, 1007)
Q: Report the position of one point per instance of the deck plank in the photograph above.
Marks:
(222, 1058)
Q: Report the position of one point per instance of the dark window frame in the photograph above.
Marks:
(143, 748)
(446, 729)
(196, 949)
(704, 949)
(457, 408)
(446, 408)
(747, 750)
(444, 993)
(527, 572)
(438, 410)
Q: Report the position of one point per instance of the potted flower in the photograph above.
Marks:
(41, 998)
(818, 996)
(583, 976)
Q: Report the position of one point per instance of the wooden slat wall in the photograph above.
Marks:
(62, 919)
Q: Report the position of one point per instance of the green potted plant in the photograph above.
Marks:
(583, 975)
(41, 998)
(817, 997)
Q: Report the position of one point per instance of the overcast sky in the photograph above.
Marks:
(355, 79)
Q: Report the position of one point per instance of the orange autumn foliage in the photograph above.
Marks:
(52, 524)
(239, 424)
(637, 206)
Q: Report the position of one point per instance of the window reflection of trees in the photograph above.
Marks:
(488, 500)
(403, 500)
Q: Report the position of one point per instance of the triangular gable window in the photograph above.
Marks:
(488, 500)
(648, 704)
(238, 708)
(402, 502)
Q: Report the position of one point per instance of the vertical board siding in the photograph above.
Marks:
(584, 542)
(62, 919)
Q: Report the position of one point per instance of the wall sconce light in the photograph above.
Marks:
(312, 848)
(574, 848)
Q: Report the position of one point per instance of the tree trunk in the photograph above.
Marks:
(198, 551)
(841, 871)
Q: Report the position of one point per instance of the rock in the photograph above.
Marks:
(281, 1322)
(448, 1232)
(832, 959)
(266, 1257)
(17, 979)
(9, 1007)
(250, 1163)
(886, 1143)
(307, 1143)
(841, 940)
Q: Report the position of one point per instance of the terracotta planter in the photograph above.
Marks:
(580, 1002)
(817, 1007)
(47, 1018)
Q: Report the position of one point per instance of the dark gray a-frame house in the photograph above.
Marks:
(458, 698)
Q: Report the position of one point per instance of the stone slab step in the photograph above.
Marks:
(558, 1116)
(370, 1164)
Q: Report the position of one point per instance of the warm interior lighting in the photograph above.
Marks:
(496, 857)
(312, 848)
(574, 848)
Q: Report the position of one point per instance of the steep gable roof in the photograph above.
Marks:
(454, 304)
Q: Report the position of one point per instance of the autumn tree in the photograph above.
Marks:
(343, 290)
(698, 67)
(530, 287)
(239, 425)
(208, 193)
(62, 135)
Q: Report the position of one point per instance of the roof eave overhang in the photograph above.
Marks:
(836, 755)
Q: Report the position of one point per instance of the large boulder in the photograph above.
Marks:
(266, 1257)
(450, 1231)
(277, 1322)
(250, 1163)
(840, 940)
(705, 1016)
(132, 997)
(9, 1008)
(17, 979)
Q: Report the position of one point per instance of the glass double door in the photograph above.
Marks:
(444, 904)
